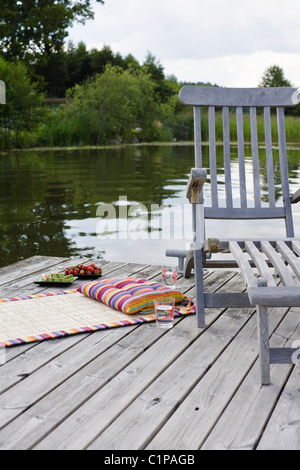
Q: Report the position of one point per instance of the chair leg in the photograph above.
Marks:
(264, 347)
(199, 288)
(189, 264)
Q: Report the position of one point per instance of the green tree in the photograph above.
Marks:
(274, 77)
(23, 111)
(156, 70)
(109, 106)
(39, 26)
(34, 31)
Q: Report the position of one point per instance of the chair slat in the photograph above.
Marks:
(227, 168)
(278, 264)
(284, 172)
(289, 257)
(260, 262)
(197, 137)
(241, 155)
(248, 213)
(296, 247)
(215, 96)
(269, 156)
(255, 160)
(243, 263)
(212, 156)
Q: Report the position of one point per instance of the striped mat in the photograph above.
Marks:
(49, 315)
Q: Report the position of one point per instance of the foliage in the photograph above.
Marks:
(34, 31)
(21, 114)
(39, 26)
(274, 77)
(118, 105)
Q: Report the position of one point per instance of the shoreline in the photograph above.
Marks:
(135, 144)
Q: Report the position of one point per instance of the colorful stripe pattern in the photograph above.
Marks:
(34, 296)
(129, 295)
(186, 307)
(74, 331)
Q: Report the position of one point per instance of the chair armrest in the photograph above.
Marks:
(196, 181)
(295, 197)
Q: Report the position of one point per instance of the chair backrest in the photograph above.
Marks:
(243, 102)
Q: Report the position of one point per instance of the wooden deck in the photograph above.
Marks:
(140, 387)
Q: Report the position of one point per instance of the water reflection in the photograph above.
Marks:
(49, 202)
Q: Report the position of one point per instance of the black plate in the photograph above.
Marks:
(88, 276)
(54, 283)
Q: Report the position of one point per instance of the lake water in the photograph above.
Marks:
(119, 204)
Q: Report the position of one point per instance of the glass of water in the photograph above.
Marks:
(169, 275)
(164, 312)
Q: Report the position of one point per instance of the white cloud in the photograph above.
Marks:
(228, 42)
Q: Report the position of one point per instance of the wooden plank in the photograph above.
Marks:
(197, 138)
(278, 264)
(289, 256)
(282, 431)
(152, 404)
(241, 156)
(150, 411)
(284, 172)
(263, 340)
(23, 268)
(280, 296)
(105, 405)
(260, 262)
(227, 168)
(195, 183)
(243, 263)
(29, 360)
(78, 374)
(200, 411)
(243, 421)
(215, 96)
(96, 351)
(255, 160)
(296, 247)
(247, 213)
(269, 156)
(282, 355)
(212, 156)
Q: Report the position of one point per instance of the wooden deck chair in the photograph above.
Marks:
(259, 258)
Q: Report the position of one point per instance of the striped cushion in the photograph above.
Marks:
(129, 295)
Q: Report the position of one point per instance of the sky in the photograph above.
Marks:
(225, 42)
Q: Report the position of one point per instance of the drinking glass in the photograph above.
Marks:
(164, 312)
(170, 275)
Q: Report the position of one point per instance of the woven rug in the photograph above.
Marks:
(50, 315)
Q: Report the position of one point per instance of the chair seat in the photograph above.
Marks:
(270, 259)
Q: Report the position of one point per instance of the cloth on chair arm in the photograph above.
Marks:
(129, 295)
(196, 181)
